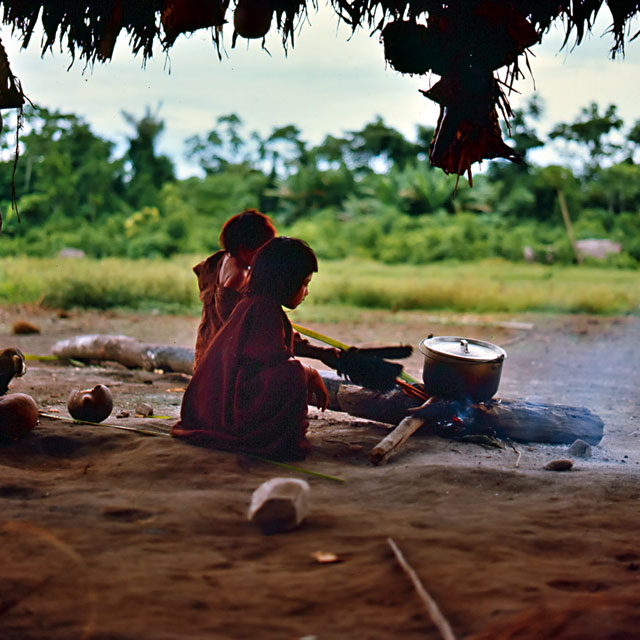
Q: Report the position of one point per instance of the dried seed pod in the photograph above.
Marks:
(90, 405)
(412, 48)
(252, 18)
(18, 416)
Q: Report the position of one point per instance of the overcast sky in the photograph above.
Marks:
(328, 83)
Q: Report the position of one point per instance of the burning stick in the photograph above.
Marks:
(430, 604)
(397, 437)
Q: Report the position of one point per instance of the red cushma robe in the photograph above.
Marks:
(217, 302)
(248, 393)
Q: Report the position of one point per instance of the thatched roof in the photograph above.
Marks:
(464, 42)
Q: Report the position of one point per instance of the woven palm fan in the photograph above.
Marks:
(370, 367)
(367, 367)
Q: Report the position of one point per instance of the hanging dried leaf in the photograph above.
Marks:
(113, 25)
(11, 94)
(468, 130)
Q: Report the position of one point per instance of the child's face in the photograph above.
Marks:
(302, 293)
(246, 255)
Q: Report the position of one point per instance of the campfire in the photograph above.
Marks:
(488, 422)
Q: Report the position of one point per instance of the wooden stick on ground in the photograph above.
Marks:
(394, 440)
(430, 604)
(397, 437)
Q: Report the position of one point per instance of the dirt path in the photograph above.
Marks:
(112, 535)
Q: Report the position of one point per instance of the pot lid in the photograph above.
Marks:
(462, 349)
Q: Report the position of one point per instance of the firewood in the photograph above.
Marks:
(395, 439)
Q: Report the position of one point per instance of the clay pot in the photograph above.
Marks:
(90, 405)
(18, 415)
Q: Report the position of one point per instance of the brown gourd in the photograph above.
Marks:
(18, 415)
(90, 405)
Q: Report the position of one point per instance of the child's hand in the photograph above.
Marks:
(330, 356)
(316, 389)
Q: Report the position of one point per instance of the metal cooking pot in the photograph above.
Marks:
(461, 368)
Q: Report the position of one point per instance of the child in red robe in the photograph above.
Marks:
(249, 393)
(223, 275)
(222, 278)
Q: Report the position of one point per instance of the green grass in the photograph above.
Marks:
(167, 285)
(489, 286)
(486, 286)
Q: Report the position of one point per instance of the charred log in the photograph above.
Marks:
(513, 419)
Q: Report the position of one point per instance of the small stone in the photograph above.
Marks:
(24, 327)
(143, 409)
(122, 414)
(580, 449)
(559, 465)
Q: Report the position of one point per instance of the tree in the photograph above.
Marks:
(224, 146)
(591, 130)
(512, 182)
(332, 152)
(148, 171)
(65, 170)
(286, 149)
(377, 141)
(633, 138)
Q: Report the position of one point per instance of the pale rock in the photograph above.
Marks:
(280, 504)
(143, 409)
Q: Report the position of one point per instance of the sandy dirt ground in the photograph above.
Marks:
(112, 535)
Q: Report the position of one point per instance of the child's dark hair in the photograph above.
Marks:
(250, 229)
(281, 267)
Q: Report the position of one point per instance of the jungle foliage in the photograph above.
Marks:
(369, 193)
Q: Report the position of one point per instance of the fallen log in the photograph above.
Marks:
(127, 351)
(514, 419)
